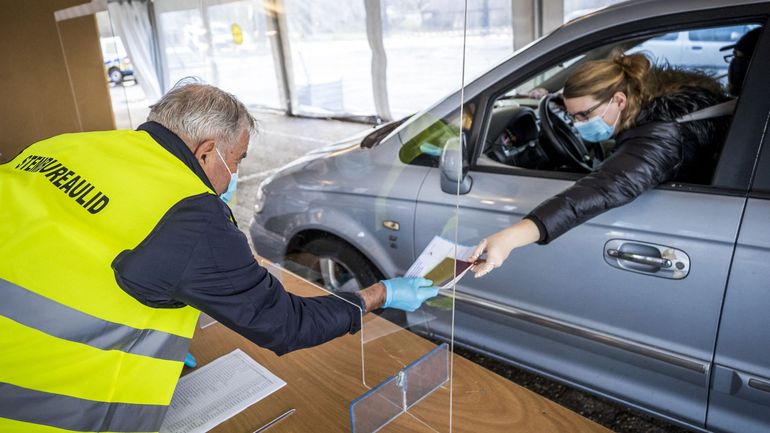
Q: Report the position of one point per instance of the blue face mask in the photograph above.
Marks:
(596, 129)
(230, 192)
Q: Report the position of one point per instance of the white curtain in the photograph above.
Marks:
(131, 21)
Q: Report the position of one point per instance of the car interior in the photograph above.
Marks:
(529, 129)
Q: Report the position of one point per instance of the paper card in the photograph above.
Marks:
(440, 261)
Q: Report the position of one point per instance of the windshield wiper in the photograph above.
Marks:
(377, 135)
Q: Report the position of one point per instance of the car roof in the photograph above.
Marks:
(619, 14)
(636, 10)
(633, 10)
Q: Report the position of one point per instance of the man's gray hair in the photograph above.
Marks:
(198, 112)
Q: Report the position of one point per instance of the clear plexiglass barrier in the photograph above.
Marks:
(340, 213)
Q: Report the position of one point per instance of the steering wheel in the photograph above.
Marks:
(512, 131)
(562, 141)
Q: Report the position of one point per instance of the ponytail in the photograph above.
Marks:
(634, 66)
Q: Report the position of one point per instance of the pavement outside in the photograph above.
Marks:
(283, 139)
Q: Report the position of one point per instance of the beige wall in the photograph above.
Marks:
(36, 95)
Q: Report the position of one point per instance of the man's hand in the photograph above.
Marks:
(408, 293)
(537, 93)
(373, 297)
(402, 293)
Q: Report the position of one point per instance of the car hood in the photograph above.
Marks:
(343, 146)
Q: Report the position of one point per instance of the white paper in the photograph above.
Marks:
(218, 391)
(434, 254)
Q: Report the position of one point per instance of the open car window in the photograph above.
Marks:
(514, 135)
(698, 49)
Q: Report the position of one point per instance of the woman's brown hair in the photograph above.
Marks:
(635, 76)
(603, 78)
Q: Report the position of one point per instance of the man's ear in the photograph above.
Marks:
(205, 152)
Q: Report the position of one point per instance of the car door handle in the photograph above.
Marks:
(696, 47)
(759, 384)
(743, 386)
(640, 258)
(646, 258)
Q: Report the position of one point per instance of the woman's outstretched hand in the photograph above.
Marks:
(499, 246)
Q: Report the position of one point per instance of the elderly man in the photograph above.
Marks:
(110, 245)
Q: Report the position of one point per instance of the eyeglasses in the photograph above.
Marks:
(582, 116)
(729, 57)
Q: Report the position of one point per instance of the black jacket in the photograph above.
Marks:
(197, 256)
(655, 151)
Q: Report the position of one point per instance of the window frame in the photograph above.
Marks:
(741, 130)
(756, 80)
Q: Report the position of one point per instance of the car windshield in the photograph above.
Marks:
(430, 135)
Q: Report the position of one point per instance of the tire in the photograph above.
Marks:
(115, 75)
(333, 264)
(359, 271)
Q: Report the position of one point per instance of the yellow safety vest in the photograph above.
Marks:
(77, 353)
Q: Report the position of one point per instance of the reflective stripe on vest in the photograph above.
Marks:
(56, 410)
(63, 322)
(79, 353)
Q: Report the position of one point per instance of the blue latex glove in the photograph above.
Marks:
(430, 149)
(190, 361)
(408, 293)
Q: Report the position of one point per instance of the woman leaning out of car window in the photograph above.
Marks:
(637, 104)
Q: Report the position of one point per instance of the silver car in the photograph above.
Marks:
(662, 305)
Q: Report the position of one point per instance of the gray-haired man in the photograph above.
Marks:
(109, 238)
(215, 128)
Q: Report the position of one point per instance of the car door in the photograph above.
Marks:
(565, 311)
(576, 309)
(740, 386)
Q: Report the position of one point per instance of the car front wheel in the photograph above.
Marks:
(333, 265)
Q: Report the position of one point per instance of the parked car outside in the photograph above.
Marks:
(117, 65)
(680, 333)
(701, 49)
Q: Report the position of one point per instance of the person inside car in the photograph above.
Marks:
(637, 103)
(739, 60)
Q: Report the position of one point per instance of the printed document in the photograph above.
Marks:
(218, 391)
(440, 261)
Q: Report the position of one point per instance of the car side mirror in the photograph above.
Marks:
(454, 167)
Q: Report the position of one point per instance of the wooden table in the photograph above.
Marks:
(322, 381)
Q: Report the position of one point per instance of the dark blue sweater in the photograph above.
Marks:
(197, 256)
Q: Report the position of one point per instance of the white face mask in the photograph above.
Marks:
(228, 194)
